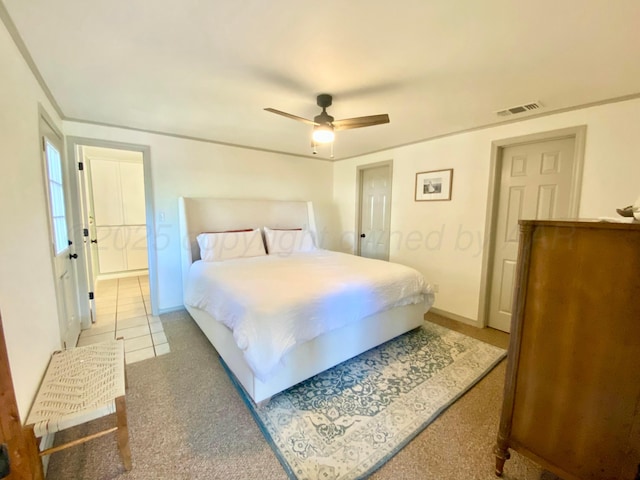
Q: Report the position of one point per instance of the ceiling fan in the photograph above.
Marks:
(324, 124)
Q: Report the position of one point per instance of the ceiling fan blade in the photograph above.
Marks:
(358, 122)
(293, 117)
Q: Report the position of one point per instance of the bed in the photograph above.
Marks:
(222, 310)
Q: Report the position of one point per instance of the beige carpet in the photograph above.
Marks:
(187, 422)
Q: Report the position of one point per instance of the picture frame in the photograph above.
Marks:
(434, 185)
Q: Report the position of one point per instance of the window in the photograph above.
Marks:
(56, 197)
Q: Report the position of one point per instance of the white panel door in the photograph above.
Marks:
(535, 184)
(375, 212)
(132, 183)
(64, 254)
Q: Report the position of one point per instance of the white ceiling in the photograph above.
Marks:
(206, 69)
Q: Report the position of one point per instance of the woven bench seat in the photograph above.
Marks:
(80, 385)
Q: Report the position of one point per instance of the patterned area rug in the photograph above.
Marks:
(348, 421)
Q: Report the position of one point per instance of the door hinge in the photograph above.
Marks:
(80, 166)
(90, 295)
(85, 232)
(44, 144)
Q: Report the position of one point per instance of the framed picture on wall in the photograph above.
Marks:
(434, 185)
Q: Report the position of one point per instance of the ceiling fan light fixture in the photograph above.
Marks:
(324, 124)
(323, 134)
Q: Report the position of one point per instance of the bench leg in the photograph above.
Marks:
(123, 432)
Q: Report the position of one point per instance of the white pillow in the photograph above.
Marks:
(215, 247)
(286, 242)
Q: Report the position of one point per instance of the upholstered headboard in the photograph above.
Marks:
(197, 215)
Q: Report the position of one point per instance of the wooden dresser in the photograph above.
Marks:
(572, 391)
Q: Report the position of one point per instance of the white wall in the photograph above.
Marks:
(27, 295)
(451, 233)
(182, 167)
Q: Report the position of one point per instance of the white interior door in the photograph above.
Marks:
(64, 254)
(535, 184)
(89, 235)
(375, 212)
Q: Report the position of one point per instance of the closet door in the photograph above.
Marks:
(136, 250)
(120, 214)
(135, 232)
(132, 187)
(107, 193)
(108, 214)
(111, 249)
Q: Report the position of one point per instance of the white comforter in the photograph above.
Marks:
(272, 303)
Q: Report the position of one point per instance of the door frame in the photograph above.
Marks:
(72, 149)
(579, 135)
(359, 172)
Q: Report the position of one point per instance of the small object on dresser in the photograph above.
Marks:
(626, 211)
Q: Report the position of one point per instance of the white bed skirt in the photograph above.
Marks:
(314, 356)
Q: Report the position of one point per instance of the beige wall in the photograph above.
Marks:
(450, 253)
(27, 295)
(182, 167)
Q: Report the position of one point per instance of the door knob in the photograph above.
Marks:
(95, 240)
(362, 235)
(73, 255)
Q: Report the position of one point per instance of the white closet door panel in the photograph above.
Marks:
(132, 181)
(111, 249)
(107, 194)
(136, 251)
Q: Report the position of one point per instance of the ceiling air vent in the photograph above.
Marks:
(526, 107)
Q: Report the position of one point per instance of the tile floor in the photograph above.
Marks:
(123, 309)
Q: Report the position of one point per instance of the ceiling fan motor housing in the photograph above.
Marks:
(324, 100)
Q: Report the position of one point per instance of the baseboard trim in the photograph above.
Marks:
(177, 308)
(455, 316)
(131, 273)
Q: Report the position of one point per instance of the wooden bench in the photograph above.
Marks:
(80, 385)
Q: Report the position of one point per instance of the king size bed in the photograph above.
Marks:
(277, 309)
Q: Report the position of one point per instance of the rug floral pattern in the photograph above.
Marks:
(346, 422)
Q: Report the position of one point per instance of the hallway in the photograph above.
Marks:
(123, 309)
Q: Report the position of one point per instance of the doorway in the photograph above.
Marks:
(115, 194)
(535, 177)
(374, 210)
